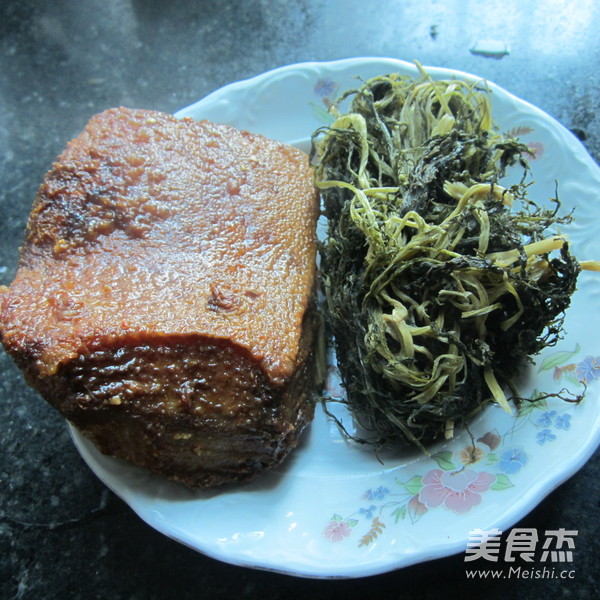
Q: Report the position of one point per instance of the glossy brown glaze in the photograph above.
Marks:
(165, 279)
(174, 226)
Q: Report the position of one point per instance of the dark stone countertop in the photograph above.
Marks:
(62, 533)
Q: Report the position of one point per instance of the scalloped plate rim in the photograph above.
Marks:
(529, 500)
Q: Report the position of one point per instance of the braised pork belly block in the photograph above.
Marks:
(164, 300)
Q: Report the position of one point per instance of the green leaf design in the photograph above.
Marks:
(502, 483)
(574, 380)
(321, 114)
(444, 460)
(536, 396)
(336, 518)
(352, 522)
(492, 459)
(413, 485)
(399, 513)
(536, 402)
(526, 408)
(557, 358)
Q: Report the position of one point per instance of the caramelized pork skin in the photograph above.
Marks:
(163, 301)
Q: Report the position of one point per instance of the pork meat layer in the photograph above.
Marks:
(164, 300)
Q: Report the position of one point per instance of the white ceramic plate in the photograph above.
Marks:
(333, 510)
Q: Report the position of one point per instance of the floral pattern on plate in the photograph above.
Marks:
(462, 478)
(282, 521)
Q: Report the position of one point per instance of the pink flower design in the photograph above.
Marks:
(459, 491)
(336, 531)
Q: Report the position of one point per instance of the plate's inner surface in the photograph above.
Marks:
(337, 508)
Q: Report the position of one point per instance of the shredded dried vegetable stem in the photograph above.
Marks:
(412, 171)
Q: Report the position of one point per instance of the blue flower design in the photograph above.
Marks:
(546, 419)
(563, 421)
(377, 494)
(545, 435)
(367, 512)
(512, 460)
(588, 369)
(325, 88)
